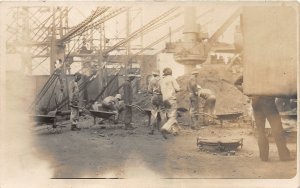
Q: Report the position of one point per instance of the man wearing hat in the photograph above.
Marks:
(156, 99)
(169, 88)
(128, 97)
(74, 101)
(195, 92)
(192, 88)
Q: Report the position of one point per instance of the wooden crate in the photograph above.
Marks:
(271, 49)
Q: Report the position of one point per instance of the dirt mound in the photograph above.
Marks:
(219, 80)
(213, 77)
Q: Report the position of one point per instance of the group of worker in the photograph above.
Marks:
(164, 103)
(114, 104)
(163, 92)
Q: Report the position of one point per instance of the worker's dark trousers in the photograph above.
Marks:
(265, 108)
(194, 110)
(74, 117)
(156, 103)
(128, 116)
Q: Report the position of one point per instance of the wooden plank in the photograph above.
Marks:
(270, 52)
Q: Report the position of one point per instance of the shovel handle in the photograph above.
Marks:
(202, 113)
(137, 107)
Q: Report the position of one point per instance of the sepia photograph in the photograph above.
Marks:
(149, 94)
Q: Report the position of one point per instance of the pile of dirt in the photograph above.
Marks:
(214, 77)
(219, 80)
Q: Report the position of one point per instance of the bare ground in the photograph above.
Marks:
(112, 152)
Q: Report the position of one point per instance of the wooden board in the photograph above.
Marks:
(270, 52)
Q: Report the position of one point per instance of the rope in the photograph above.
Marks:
(51, 80)
(39, 64)
(52, 94)
(108, 83)
(44, 89)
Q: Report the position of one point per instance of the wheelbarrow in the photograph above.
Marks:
(44, 119)
(49, 120)
(232, 116)
(105, 115)
(101, 114)
(229, 116)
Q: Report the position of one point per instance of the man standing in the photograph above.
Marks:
(264, 108)
(128, 96)
(195, 92)
(169, 88)
(194, 100)
(74, 101)
(156, 99)
(61, 76)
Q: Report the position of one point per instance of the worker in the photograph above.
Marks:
(209, 104)
(156, 99)
(195, 91)
(169, 88)
(264, 108)
(74, 101)
(112, 103)
(128, 97)
(192, 88)
(59, 70)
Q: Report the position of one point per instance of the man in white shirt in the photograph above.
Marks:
(169, 87)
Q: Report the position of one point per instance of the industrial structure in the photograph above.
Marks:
(121, 49)
(43, 34)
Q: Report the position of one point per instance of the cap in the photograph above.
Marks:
(77, 74)
(167, 71)
(118, 96)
